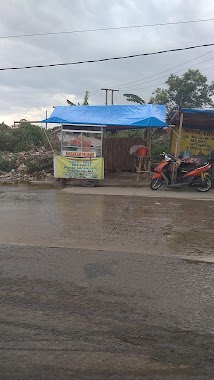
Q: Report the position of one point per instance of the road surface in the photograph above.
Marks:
(105, 287)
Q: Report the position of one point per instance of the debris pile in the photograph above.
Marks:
(26, 166)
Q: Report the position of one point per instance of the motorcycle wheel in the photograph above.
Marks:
(206, 185)
(156, 183)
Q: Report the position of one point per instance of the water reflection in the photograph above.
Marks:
(46, 216)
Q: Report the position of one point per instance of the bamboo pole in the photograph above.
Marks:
(150, 141)
(177, 147)
(61, 141)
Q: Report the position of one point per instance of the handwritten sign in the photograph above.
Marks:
(196, 141)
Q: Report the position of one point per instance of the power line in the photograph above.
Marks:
(106, 59)
(106, 29)
(164, 71)
(159, 84)
(175, 72)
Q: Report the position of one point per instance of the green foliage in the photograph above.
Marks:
(36, 166)
(134, 98)
(160, 143)
(86, 98)
(24, 138)
(161, 96)
(70, 103)
(126, 133)
(28, 136)
(6, 138)
(7, 165)
(189, 90)
(158, 148)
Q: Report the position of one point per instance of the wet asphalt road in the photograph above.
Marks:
(35, 216)
(97, 287)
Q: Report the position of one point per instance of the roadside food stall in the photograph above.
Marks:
(193, 134)
(82, 133)
(81, 155)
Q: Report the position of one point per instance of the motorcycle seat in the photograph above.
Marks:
(189, 166)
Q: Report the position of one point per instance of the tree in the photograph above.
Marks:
(28, 136)
(85, 100)
(191, 90)
(5, 137)
(134, 98)
(70, 103)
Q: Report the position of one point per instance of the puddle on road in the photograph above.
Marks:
(199, 260)
(47, 217)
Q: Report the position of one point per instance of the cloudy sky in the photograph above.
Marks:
(29, 93)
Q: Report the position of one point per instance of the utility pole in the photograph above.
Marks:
(106, 90)
(112, 94)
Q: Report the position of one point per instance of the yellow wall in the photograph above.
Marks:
(197, 142)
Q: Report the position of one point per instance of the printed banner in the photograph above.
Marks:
(79, 168)
(197, 142)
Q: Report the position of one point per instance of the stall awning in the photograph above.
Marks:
(129, 116)
(195, 118)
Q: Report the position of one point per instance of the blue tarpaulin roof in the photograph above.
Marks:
(130, 116)
(209, 111)
(196, 118)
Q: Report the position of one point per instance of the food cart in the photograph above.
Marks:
(81, 155)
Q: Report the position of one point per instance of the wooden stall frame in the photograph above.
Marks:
(177, 148)
(144, 162)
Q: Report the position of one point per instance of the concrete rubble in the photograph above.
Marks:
(28, 166)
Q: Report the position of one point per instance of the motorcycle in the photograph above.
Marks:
(177, 174)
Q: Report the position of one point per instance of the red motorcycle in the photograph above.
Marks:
(177, 174)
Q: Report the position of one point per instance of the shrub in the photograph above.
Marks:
(25, 137)
(7, 165)
(35, 166)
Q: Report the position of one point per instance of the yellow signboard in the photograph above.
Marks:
(197, 142)
(79, 168)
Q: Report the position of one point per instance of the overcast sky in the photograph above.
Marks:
(29, 93)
